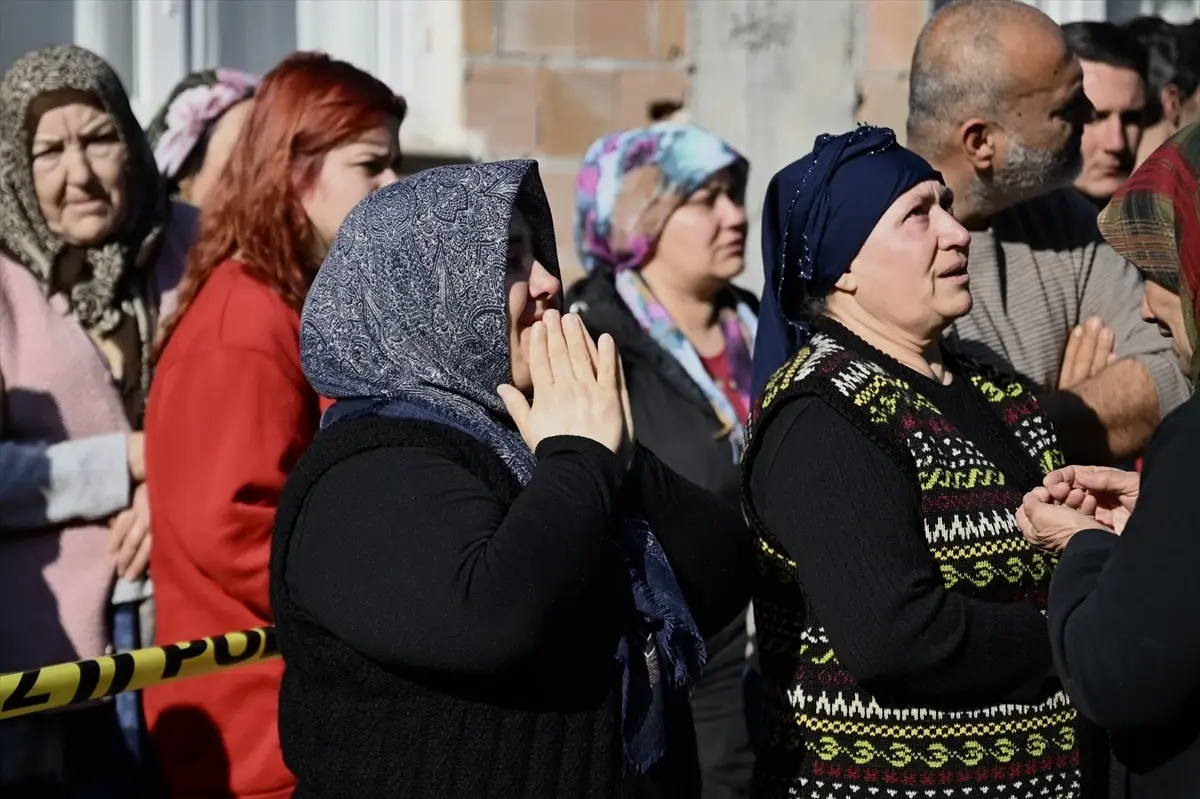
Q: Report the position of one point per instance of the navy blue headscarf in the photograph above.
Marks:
(817, 214)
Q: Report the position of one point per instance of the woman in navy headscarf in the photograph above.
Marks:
(476, 596)
(902, 641)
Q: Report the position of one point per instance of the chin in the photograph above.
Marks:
(89, 231)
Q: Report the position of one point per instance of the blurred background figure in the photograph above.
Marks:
(661, 230)
(1173, 78)
(231, 412)
(194, 131)
(1114, 79)
(90, 255)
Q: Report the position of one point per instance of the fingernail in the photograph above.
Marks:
(1095, 322)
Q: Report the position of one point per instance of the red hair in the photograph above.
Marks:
(305, 107)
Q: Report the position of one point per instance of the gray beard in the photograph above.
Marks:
(1027, 173)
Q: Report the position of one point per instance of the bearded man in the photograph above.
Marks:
(996, 103)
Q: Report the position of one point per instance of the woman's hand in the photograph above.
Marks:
(129, 537)
(1114, 491)
(626, 408)
(1089, 351)
(571, 395)
(1050, 525)
(135, 448)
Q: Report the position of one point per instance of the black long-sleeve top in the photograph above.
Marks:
(1125, 620)
(850, 517)
(473, 588)
(447, 632)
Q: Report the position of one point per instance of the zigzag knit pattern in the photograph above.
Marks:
(827, 738)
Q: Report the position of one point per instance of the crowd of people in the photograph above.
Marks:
(910, 524)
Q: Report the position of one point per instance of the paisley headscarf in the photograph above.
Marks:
(407, 318)
(107, 297)
(191, 111)
(1153, 221)
(629, 185)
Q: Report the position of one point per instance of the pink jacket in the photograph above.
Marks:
(55, 583)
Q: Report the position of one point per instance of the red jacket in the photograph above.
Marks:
(228, 415)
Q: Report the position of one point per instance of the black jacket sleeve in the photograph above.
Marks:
(411, 560)
(1123, 618)
(849, 516)
(705, 537)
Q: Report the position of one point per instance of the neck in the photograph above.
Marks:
(692, 308)
(919, 352)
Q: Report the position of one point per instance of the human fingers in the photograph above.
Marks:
(591, 344)
(1105, 340)
(540, 372)
(626, 405)
(607, 367)
(118, 528)
(1070, 369)
(130, 545)
(1108, 481)
(516, 404)
(1086, 352)
(141, 560)
(556, 348)
(577, 348)
(1064, 475)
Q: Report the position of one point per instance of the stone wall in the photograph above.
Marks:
(890, 30)
(544, 78)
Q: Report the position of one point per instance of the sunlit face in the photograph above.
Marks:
(1043, 131)
(704, 239)
(531, 291)
(350, 172)
(1161, 306)
(1111, 138)
(198, 187)
(79, 167)
(911, 273)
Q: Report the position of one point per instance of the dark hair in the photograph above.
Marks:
(1106, 43)
(1173, 59)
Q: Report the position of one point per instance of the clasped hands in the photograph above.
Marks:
(1077, 498)
(578, 388)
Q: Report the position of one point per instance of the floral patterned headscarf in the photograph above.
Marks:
(108, 304)
(190, 112)
(1153, 221)
(628, 187)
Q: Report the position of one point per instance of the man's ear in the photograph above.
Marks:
(979, 141)
(1172, 104)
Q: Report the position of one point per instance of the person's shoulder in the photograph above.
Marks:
(235, 311)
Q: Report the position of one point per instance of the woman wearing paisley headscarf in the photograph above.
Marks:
(661, 231)
(902, 643)
(475, 596)
(90, 254)
(194, 131)
(1124, 608)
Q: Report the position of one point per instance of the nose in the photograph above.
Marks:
(542, 284)
(386, 178)
(953, 234)
(1112, 134)
(78, 168)
(733, 213)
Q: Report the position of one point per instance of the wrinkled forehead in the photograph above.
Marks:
(51, 77)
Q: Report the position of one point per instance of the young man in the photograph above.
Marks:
(1114, 80)
(1172, 99)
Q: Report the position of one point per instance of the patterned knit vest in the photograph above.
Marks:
(827, 737)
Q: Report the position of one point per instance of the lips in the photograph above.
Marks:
(956, 271)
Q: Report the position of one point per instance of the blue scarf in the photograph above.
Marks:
(407, 319)
(817, 214)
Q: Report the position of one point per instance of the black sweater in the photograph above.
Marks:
(448, 633)
(857, 507)
(1125, 620)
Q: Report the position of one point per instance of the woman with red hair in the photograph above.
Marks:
(230, 410)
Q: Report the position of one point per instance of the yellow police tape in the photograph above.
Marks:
(70, 683)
